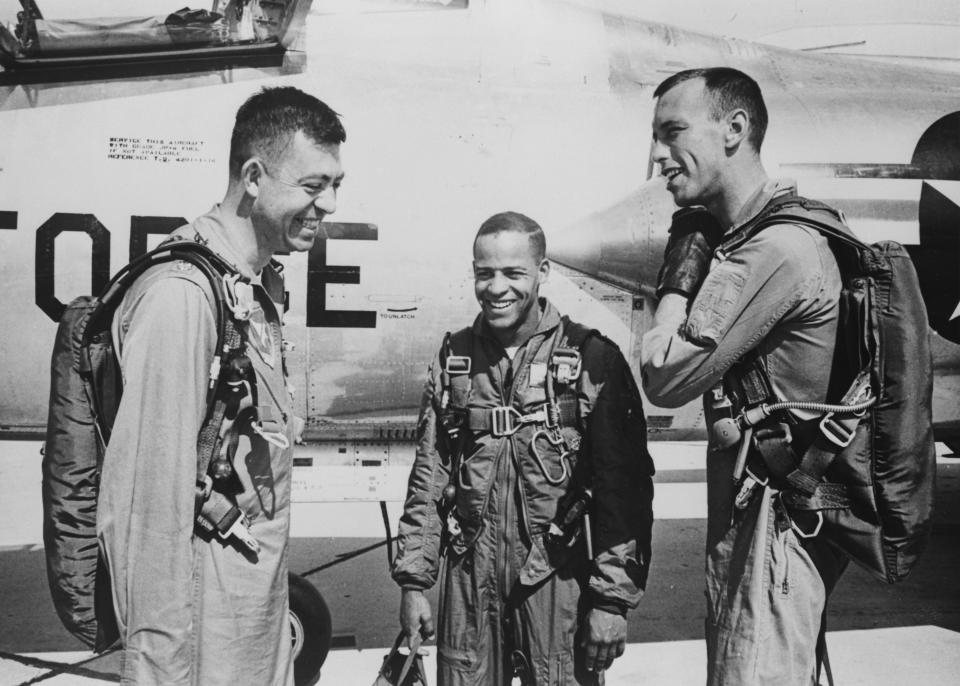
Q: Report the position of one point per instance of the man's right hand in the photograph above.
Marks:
(694, 234)
(415, 614)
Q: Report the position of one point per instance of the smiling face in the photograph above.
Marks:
(506, 278)
(689, 144)
(295, 192)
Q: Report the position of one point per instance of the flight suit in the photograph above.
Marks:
(504, 588)
(777, 295)
(192, 609)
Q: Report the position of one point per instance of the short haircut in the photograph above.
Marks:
(728, 89)
(515, 222)
(269, 119)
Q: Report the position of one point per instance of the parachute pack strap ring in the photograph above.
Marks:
(566, 364)
(796, 527)
(556, 440)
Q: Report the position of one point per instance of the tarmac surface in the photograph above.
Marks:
(879, 635)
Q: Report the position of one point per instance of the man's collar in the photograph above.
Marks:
(211, 229)
(771, 189)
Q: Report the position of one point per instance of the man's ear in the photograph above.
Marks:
(544, 269)
(251, 174)
(738, 127)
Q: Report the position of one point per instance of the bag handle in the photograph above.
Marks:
(415, 643)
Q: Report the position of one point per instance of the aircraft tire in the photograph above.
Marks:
(311, 630)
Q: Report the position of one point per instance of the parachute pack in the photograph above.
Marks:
(85, 391)
(862, 473)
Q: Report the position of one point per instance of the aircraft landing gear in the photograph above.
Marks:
(311, 630)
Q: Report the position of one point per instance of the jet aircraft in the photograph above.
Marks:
(115, 132)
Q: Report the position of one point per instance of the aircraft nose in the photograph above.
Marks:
(623, 244)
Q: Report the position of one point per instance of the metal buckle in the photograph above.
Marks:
(457, 364)
(567, 365)
(801, 533)
(756, 478)
(835, 432)
(504, 421)
(557, 441)
(779, 430)
(793, 525)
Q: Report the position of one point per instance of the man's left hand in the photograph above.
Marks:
(604, 637)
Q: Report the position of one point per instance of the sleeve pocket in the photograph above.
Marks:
(715, 305)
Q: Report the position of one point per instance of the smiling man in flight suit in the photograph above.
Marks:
(196, 609)
(528, 422)
(761, 316)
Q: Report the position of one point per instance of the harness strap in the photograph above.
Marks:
(227, 394)
(568, 348)
(826, 496)
(503, 421)
(803, 473)
(455, 380)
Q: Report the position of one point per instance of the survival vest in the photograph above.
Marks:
(559, 418)
(85, 390)
(862, 473)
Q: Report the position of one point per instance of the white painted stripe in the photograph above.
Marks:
(346, 497)
(13, 673)
(364, 520)
(678, 455)
(925, 655)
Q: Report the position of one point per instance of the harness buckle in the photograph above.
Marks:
(793, 524)
(457, 364)
(750, 484)
(803, 534)
(504, 421)
(837, 432)
(567, 365)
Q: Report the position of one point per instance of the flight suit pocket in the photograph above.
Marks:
(715, 304)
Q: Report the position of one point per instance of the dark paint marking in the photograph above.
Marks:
(319, 274)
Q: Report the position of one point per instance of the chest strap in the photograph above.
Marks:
(504, 421)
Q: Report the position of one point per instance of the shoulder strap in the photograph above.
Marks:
(230, 365)
(794, 209)
(565, 366)
(750, 373)
(456, 356)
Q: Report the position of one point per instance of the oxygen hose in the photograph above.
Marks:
(818, 407)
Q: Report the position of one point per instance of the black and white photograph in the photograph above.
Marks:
(480, 342)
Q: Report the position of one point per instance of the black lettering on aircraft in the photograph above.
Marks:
(45, 253)
(936, 258)
(8, 220)
(319, 274)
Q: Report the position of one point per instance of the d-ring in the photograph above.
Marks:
(558, 442)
